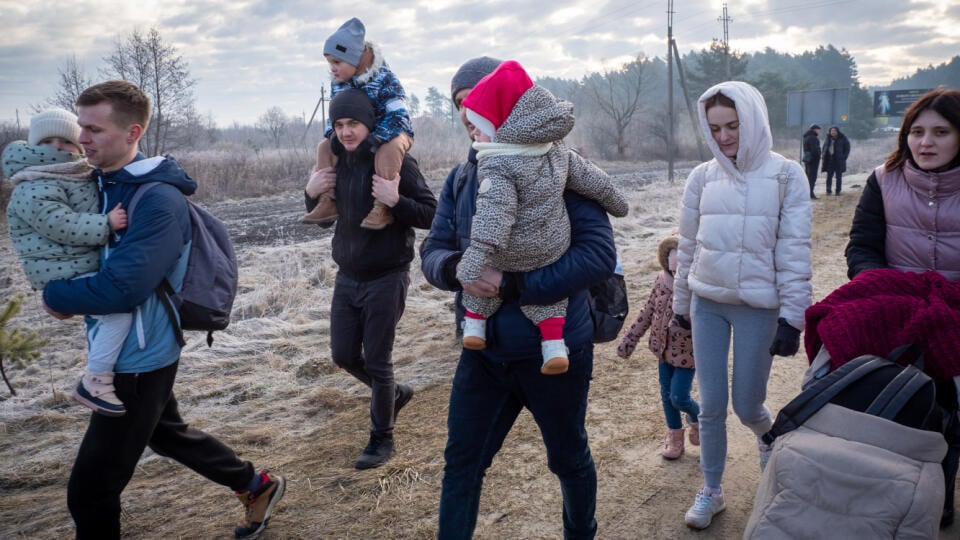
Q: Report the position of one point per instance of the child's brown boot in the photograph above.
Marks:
(378, 218)
(672, 444)
(324, 213)
(695, 434)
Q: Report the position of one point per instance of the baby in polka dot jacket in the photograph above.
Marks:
(57, 228)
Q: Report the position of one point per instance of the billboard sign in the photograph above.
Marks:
(828, 106)
(895, 102)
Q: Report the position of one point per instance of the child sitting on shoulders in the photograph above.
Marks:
(356, 63)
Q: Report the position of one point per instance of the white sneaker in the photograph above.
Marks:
(474, 334)
(765, 451)
(704, 508)
(555, 359)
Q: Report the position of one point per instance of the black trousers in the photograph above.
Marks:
(363, 324)
(811, 170)
(111, 448)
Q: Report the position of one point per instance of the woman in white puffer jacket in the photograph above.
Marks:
(744, 268)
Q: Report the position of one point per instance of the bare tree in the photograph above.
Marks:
(617, 93)
(157, 68)
(73, 81)
(274, 122)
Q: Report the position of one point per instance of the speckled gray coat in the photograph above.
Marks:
(53, 221)
(521, 222)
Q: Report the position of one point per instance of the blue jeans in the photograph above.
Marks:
(675, 384)
(486, 398)
(830, 180)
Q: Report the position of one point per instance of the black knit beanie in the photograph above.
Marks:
(353, 103)
(471, 72)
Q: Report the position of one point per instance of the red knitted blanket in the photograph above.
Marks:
(882, 309)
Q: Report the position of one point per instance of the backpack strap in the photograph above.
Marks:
(164, 290)
(811, 400)
(898, 392)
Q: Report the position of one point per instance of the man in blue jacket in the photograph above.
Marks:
(113, 116)
(492, 386)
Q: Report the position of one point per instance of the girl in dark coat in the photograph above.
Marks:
(835, 151)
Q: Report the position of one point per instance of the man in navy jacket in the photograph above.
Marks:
(492, 386)
(113, 116)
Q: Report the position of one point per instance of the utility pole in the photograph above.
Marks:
(321, 104)
(726, 20)
(670, 122)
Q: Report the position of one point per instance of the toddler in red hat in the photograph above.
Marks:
(521, 223)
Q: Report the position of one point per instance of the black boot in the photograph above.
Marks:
(378, 451)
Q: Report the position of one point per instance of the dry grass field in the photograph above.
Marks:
(268, 388)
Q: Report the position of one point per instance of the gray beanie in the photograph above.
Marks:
(353, 103)
(347, 42)
(54, 123)
(471, 72)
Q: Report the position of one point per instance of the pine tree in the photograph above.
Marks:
(16, 345)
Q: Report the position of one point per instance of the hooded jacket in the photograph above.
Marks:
(521, 222)
(811, 146)
(386, 92)
(744, 237)
(53, 215)
(668, 342)
(591, 258)
(154, 246)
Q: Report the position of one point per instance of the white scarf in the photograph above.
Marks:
(485, 149)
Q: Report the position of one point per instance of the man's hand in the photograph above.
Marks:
(321, 181)
(55, 314)
(488, 286)
(387, 191)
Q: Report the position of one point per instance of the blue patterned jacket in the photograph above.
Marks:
(388, 96)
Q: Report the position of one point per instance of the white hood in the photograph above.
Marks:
(756, 142)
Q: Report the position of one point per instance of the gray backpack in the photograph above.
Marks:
(210, 282)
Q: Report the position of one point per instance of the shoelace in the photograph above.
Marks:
(702, 501)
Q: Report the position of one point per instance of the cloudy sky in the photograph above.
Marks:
(248, 56)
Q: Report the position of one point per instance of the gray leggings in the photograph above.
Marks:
(753, 331)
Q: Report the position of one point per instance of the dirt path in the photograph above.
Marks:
(267, 388)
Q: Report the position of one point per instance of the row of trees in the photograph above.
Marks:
(622, 110)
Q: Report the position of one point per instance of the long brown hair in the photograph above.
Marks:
(944, 102)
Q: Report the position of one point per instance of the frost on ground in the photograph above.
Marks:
(267, 387)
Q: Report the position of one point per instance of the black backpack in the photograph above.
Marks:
(608, 307)
(210, 282)
(873, 385)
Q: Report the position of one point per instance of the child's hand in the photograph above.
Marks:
(321, 181)
(386, 191)
(117, 218)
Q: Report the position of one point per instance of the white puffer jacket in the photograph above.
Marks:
(738, 243)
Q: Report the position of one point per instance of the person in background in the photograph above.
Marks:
(113, 116)
(492, 386)
(673, 347)
(811, 156)
(836, 149)
(370, 290)
(746, 216)
(908, 218)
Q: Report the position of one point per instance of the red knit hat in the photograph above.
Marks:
(495, 95)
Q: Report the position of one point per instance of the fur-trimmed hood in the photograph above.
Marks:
(370, 63)
(663, 250)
